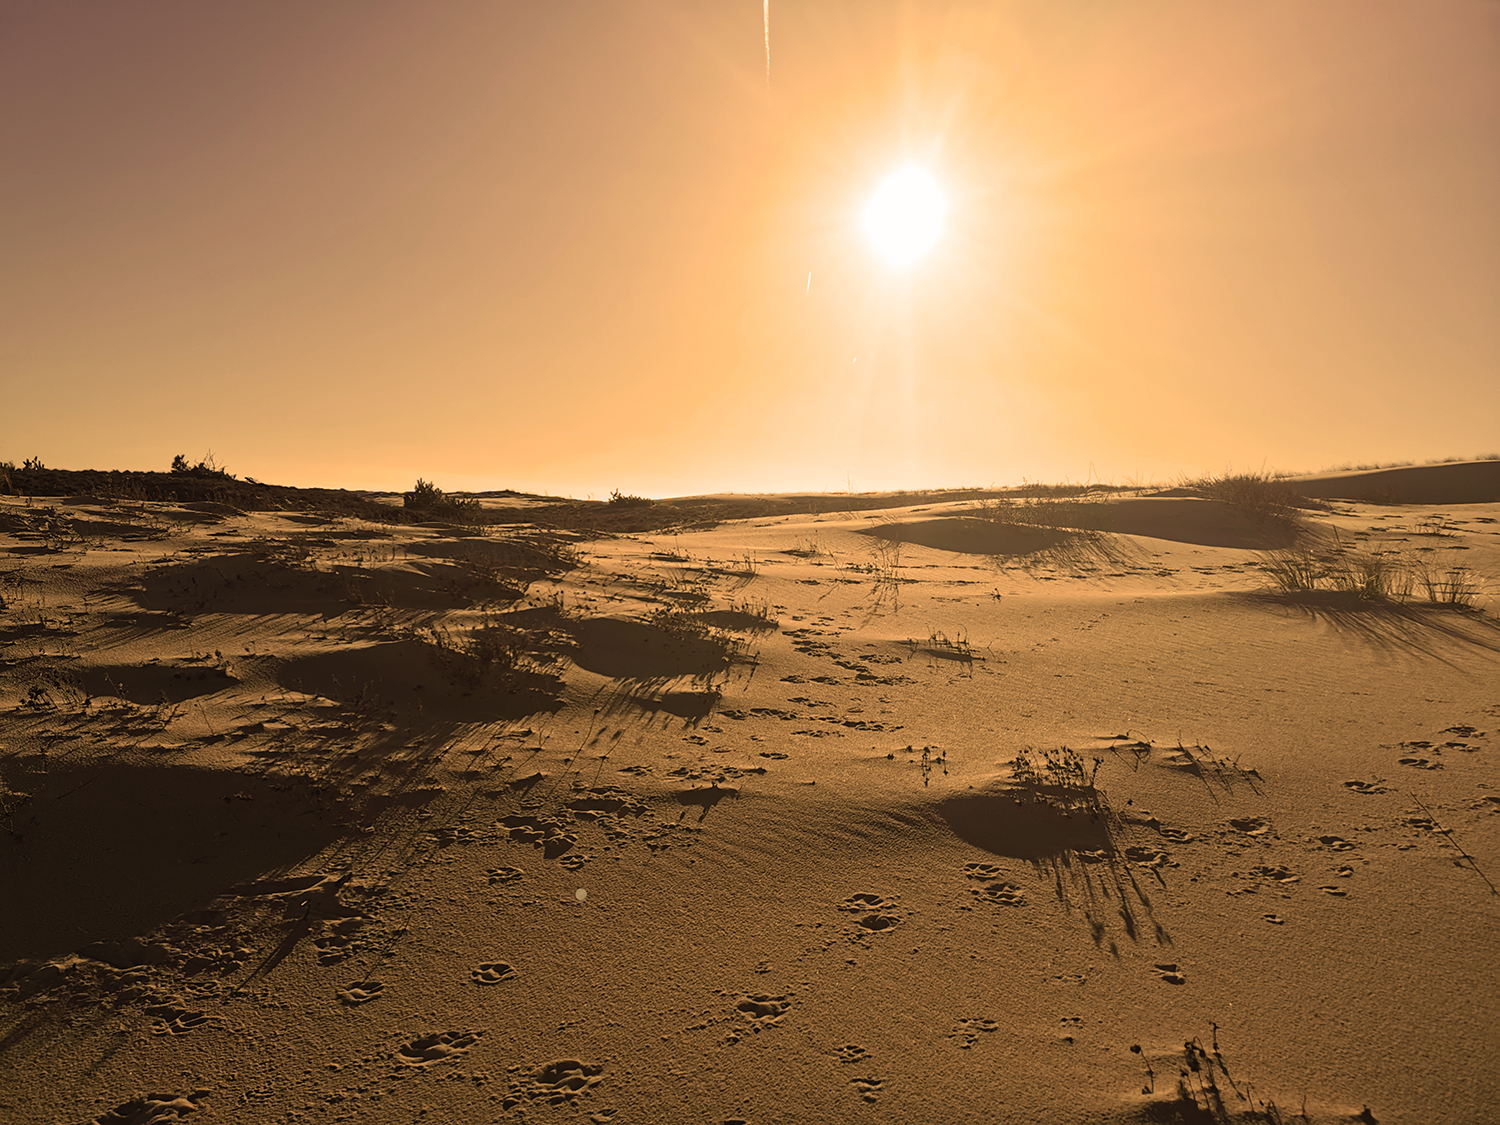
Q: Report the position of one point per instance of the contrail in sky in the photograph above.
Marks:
(765, 9)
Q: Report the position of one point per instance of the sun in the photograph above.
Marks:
(905, 216)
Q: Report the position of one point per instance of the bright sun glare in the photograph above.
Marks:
(905, 217)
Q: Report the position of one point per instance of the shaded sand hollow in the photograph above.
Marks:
(900, 815)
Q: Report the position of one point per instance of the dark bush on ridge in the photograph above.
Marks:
(429, 499)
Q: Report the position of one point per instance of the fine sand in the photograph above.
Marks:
(890, 815)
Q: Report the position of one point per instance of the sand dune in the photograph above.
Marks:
(912, 814)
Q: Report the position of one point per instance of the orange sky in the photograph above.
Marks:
(565, 246)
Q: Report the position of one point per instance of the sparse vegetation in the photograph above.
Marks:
(1266, 498)
(430, 501)
(618, 499)
(1054, 506)
(1376, 576)
(205, 469)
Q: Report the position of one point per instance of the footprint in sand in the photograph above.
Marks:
(172, 1020)
(1366, 787)
(555, 1082)
(1279, 874)
(339, 940)
(429, 1050)
(982, 871)
(1420, 763)
(1169, 973)
(967, 1032)
(867, 1088)
(1251, 825)
(762, 1010)
(361, 992)
(876, 909)
(852, 1053)
(1274, 919)
(1336, 892)
(776, 755)
(1176, 835)
(1336, 843)
(499, 876)
(1344, 872)
(492, 972)
(574, 861)
(1148, 857)
(154, 1109)
(1000, 894)
(1463, 730)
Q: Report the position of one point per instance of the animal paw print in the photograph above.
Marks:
(1000, 894)
(172, 1020)
(762, 1010)
(1366, 787)
(492, 972)
(867, 1088)
(1176, 835)
(1279, 874)
(1336, 843)
(361, 992)
(574, 861)
(154, 1109)
(1148, 857)
(876, 909)
(555, 1082)
(429, 1050)
(499, 876)
(982, 871)
(852, 1053)
(1252, 825)
(967, 1032)
(1336, 892)
(1169, 973)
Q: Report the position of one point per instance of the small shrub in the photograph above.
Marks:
(428, 498)
(205, 469)
(618, 499)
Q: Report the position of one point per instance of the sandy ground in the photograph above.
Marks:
(895, 816)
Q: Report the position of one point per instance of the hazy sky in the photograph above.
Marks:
(566, 245)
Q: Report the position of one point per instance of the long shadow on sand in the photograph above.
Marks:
(106, 852)
(1421, 628)
(1067, 835)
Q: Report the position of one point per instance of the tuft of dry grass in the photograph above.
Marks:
(1264, 497)
(1371, 576)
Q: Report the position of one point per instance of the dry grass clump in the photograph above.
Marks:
(1371, 576)
(1265, 498)
(1062, 508)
